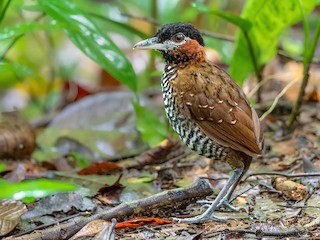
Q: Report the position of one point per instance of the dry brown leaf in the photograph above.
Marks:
(136, 222)
(10, 212)
(90, 229)
(100, 168)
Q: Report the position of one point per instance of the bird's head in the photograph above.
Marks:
(177, 42)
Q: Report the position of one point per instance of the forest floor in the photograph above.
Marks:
(142, 189)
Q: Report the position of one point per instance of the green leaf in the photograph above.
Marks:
(90, 39)
(310, 47)
(11, 73)
(30, 190)
(24, 28)
(153, 131)
(242, 23)
(269, 19)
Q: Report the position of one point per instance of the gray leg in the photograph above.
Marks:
(226, 199)
(220, 199)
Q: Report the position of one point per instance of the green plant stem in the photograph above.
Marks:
(9, 47)
(1, 3)
(52, 72)
(308, 56)
(3, 55)
(4, 10)
(154, 15)
(254, 63)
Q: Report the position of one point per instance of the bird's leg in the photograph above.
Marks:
(220, 199)
(225, 201)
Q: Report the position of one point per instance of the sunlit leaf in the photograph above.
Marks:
(88, 37)
(33, 189)
(149, 125)
(269, 19)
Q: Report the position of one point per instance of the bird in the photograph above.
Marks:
(205, 107)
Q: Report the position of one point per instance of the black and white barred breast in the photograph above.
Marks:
(187, 129)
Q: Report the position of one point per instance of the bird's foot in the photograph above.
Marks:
(223, 203)
(227, 205)
(207, 215)
(200, 218)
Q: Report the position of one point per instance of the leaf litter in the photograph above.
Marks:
(266, 209)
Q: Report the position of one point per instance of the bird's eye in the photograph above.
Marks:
(179, 37)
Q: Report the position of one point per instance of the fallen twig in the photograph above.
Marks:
(288, 175)
(297, 207)
(262, 233)
(162, 204)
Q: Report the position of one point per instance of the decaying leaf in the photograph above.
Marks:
(96, 226)
(100, 168)
(290, 189)
(58, 203)
(107, 232)
(111, 193)
(17, 139)
(142, 221)
(91, 228)
(10, 212)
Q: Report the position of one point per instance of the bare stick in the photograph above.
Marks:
(262, 233)
(288, 175)
(297, 207)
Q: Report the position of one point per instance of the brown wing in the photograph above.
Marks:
(221, 110)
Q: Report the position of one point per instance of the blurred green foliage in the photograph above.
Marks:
(30, 190)
(151, 127)
(268, 19)
(310, 45)
(90, 39)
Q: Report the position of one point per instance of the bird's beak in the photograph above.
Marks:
(150, 43)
